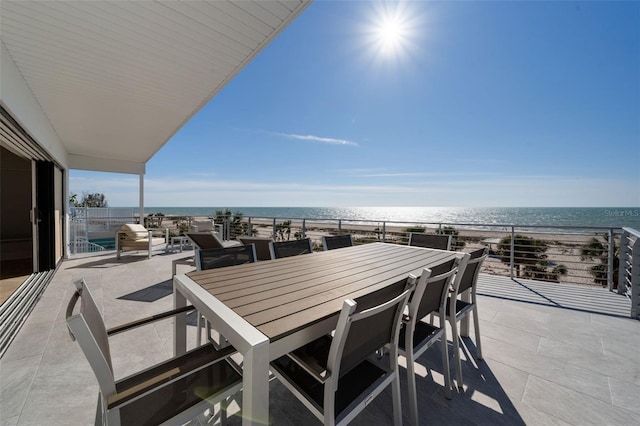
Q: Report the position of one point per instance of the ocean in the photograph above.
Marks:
(601, 217)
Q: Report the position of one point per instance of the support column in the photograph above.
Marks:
(66, 230)
(141, 206)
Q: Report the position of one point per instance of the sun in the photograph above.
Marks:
(391, 28)
(391, 34)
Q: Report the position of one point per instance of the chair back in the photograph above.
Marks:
(432, 288)
(205, 240)
(229, 256)
(88, 329)
(469, 278)
(360, 332)
(435, 241)
(330, 242)
(262, 246)
(281, 249)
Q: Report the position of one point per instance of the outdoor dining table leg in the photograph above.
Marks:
(251, 343)
(179, 325)
(255, 383)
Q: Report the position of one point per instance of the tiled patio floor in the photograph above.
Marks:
(554, 354)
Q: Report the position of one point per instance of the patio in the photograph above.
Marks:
(553, 354)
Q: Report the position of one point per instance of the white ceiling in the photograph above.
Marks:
(117, 79)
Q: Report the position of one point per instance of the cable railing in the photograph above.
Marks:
(577, 255)
(596, 256)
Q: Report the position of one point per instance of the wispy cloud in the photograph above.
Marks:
(312, 138)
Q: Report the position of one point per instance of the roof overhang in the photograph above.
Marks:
(116, 80)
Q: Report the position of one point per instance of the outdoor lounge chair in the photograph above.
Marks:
(174, 391)
(429, 296)
(133, 236)
(331, 242)
(334, 377)
(435, 241)
(281, 249)
(206, 226)
(457, 309)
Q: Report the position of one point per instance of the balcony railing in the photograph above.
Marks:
(563, 254)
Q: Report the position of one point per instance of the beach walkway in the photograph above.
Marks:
(554, 354)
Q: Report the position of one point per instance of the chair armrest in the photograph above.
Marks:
(129, 388)
(147, 320)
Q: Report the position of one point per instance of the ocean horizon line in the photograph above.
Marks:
(605, 217)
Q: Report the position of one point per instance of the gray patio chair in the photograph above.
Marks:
(281, 249)
(435, 241)
(330, 242)
(466, 281)
(228, 256)
(429, 296)
(262, 246)
(334, 377)
(174, 391)
(221, 258)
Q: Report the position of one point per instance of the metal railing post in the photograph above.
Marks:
(304, 228)
(629, 272)
(612, 246)
(273, 230)
(384, 232)
(339, 226)
(512, 252)
(249, 227)
(86, 222)
(624, 255)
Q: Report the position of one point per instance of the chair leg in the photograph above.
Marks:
(413, 397)
(397, 408)
(199, 328)
(476, 326)
(445, 366)
(456, 350)
(99, 413)
(224, 405)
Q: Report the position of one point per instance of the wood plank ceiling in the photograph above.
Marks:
(117, 79)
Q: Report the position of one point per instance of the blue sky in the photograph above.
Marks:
(364, 103)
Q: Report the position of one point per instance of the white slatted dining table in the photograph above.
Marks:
(267, 309)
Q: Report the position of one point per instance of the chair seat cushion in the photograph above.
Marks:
(141, 243)
(422, 332)
(460, 306)
(350, 386)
